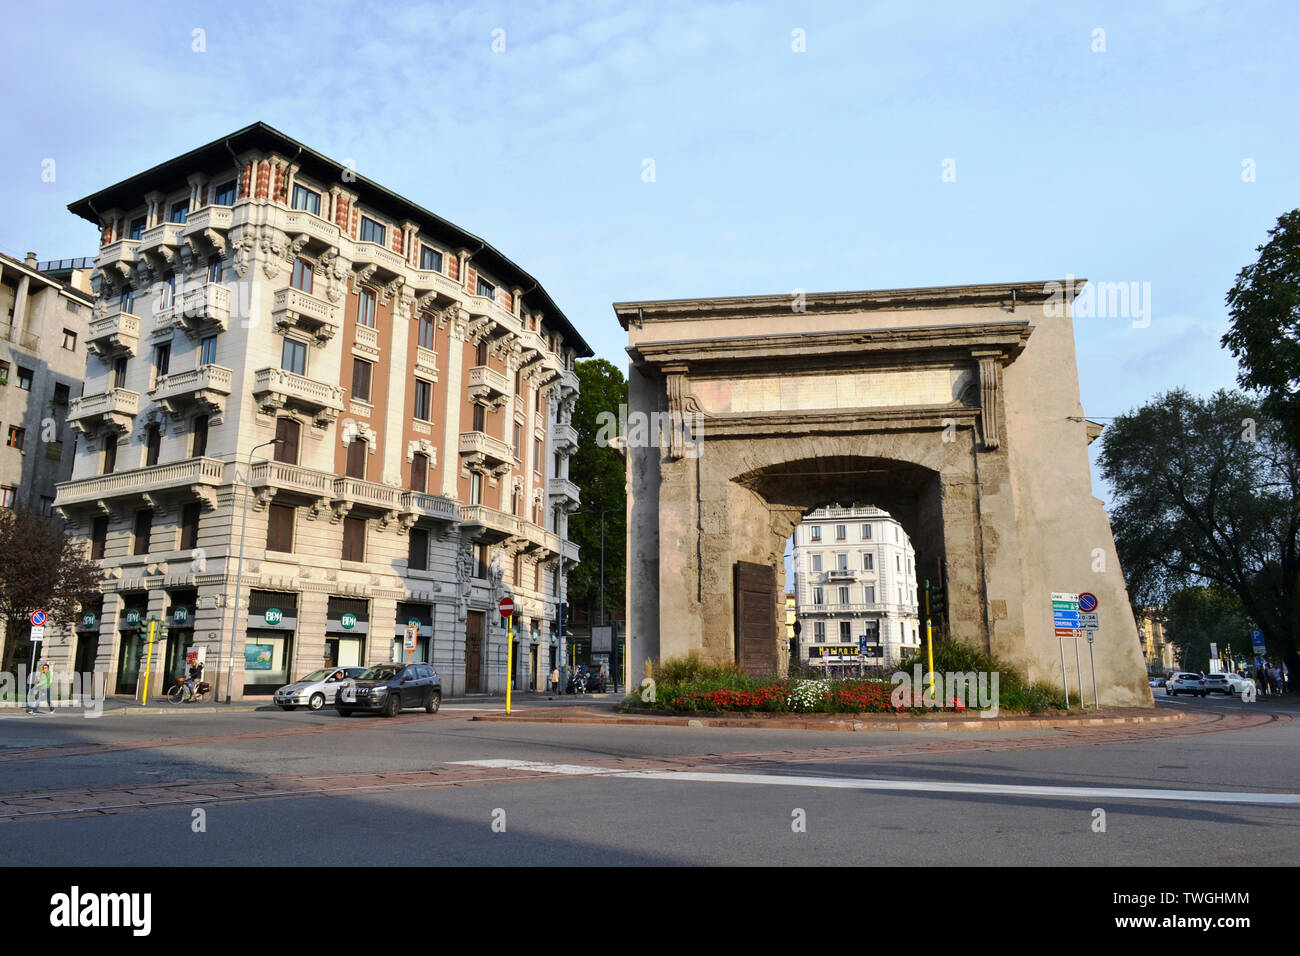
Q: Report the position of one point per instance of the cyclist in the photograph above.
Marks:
(192, 680)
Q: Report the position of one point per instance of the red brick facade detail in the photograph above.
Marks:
(106, 236)
(453, 267)
(341, 214)
(356, 222)
(397, 241)
(471, 278)
(281, 185)
(505, 300)
(263, 181)
(245, 179)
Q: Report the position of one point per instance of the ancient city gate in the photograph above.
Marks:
(954, 409)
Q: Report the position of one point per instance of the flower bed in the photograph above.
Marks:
(783, 696)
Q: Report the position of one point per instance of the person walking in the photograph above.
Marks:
(555, 680)
(40, 682)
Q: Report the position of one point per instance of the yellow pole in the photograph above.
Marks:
(148, 659)
(929, 640)
(510, 659)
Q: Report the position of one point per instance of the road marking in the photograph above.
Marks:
(905, 786)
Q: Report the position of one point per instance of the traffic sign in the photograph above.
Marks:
(1087, 601)
(38, 633)
(1257, 641)
(409, 636)
(507, 606)
(1089, 622)
(38, 618)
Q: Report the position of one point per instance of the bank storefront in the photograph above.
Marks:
(181, 605)
(131, 631)
(268, 646)
(419, 616)
(347, 623)
(87, 637)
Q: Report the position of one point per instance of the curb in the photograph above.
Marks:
(1014, 723)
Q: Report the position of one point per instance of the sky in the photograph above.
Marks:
(663, 150)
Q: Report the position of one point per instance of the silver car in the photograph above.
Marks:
(316, 689)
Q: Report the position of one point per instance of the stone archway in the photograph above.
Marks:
(955, 409)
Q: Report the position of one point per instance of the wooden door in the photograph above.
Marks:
(473, 651)
(755, 600)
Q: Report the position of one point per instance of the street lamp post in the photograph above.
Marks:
(602, 569)
(239, 569)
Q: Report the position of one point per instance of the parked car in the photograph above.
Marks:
(391, 688)
(1238, 683)
(1157, 681)
(316, 689)
(1184, 683)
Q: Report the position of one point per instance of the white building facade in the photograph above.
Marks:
(855, 583)
(382, 398)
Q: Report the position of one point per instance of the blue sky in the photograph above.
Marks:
(774, 169)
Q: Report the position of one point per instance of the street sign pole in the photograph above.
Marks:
(1078, 667)
(148, 661)
(1096, 700)
(1064, 683)
(929, 639)
(510, 658)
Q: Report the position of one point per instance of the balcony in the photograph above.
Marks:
(841, 608)
(211, 223)
(295, 309)
(366, 496)
(373, 254)
(568, 383)
(113, 335)
(194, 473)
(416, 505)
(841, 574)
(162, 240)
(564, 490)
(300, 222)
(488, 386)
(205, 387)
(488, 525)
(295, 479)
(565, 439)
(277, 388)
(426, 363)
(367, 340)
(429, 281)
(201, 308)
(485, 453)
(120, 255)
(24, 340)
(569, 551)
(113, 410)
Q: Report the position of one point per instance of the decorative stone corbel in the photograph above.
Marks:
(990, 379)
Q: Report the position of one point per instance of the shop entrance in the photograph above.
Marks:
(473, 651)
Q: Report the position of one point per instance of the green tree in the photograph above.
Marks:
(41, 567)
(1207, 494)
(601, 476)
(1197, 617)
(1264, 335)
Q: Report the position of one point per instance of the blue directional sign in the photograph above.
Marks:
(1072, 619)
(1257, 641)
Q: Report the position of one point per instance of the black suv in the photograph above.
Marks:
(391, 688)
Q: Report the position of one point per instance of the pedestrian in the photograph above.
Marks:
(40, 682)
(555, 680)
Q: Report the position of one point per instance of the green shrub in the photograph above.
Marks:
(1032, 699)
(955, 656)
(692, 669)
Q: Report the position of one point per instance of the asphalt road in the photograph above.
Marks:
(284, 789)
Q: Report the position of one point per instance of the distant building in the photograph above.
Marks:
(855, 577)
(1158, 651)
(791, 615)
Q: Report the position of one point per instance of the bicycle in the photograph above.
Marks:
(182, 693)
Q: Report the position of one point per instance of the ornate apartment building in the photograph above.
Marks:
(855, 577)
(375, 402)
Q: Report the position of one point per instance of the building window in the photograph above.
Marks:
(128, 300)
(7, 496)
(366, 309)
(162, 361)
(869, 593)
(279, 528)
(180, 210)
(819, 596)
(424, 399)
(137, 227)
(428, 328)
(419, 472)
(224, 194)
(846, 632)
(841, 532)
(480, 418)
(816, 562)
(842, 561)
(47, 505)
(98, 537)
(430, 259)
(819, 632)
(16, 437)
(4, 373)
(372, 231)
(354, 539)
(62, 393)
(190, 525)
(302, 275)
(537, 455)
(475, 488)
(480, 561)
(306, 200)
(25, 379)
(168, 294)
(208, 350)
(481, 353)
(361, 370)
(200, 429)
(519, 430)
(70, 340)
(119, 372)
(898, 562)
(844, 594)
(293, 356)
(152, 444)
(356, 465)
(287, 431)
(110, 453)
(868, 563)
(866, 532)
(140, 534)
(216, 269)
(815, 533)
(485, 289)
(417, 555)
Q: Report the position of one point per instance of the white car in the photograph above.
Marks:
(316, 689)
(1238, 684)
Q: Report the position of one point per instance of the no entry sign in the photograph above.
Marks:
(507, 607)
